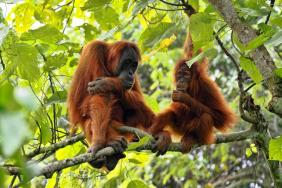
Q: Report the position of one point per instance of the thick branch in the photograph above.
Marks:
(53, 167)
(260, 55)
(56, 146)
(124, 129)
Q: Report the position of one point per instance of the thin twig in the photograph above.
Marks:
(272, 2)
(60, 6)
(227, 53)
(161, 9)
(1, 61)
(13, 181)
(54, 128)
(56, 146)
(68, 19)
(248, 88)
(169, 3)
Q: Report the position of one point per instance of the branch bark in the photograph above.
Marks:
(49, 169)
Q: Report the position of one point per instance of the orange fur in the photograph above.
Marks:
(98, 114)
(198, 107)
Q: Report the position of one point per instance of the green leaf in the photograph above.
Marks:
(276, 40)
(89, 31)
(2, 176)
(7, 101)
(95, 4)
(278, 72)
(208, 53)
(277, 21)
(125, 6)
(23, 16)
(141, 142)
(25, 57)
(13, 132)
(248, 152)
(49, 16)
(41, 119)
(69, 151)
(107, 18)
(137, 183)
(201, 29)
(46, 133)
(140, 5)
(154, 34)
(248, 66)
(57, 97)
(275, 149)
(260, 40)
(112, 182)
(153, 103)
(54, 62)
(135, 161)
(47, 33)
(253, 148)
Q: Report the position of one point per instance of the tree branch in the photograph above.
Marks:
(55, 146)
(266, 66)
(260, 55)
(69, 141)
(53, 167)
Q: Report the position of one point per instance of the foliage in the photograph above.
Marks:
(40, 41)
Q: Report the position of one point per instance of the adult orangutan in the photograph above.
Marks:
(198, 107)
(108, 72)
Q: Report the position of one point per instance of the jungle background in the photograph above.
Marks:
(40, 42)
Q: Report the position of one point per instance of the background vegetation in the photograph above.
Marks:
(40, 42)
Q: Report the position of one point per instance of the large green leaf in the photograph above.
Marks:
(46, 133)
(248, 66)
(107, 17)
(56, 61)
(154, 34)
(95, 4)
(201, 28)
(47, 34)
(137, 183)
(25, 57)
(153, 104)
(275, 149)
(7, 100)
(260, 40)
(208, 53)
(23, 16)
(141, 142)
(90, 31)
(49, 16)
(43, 125)
(13, 132)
